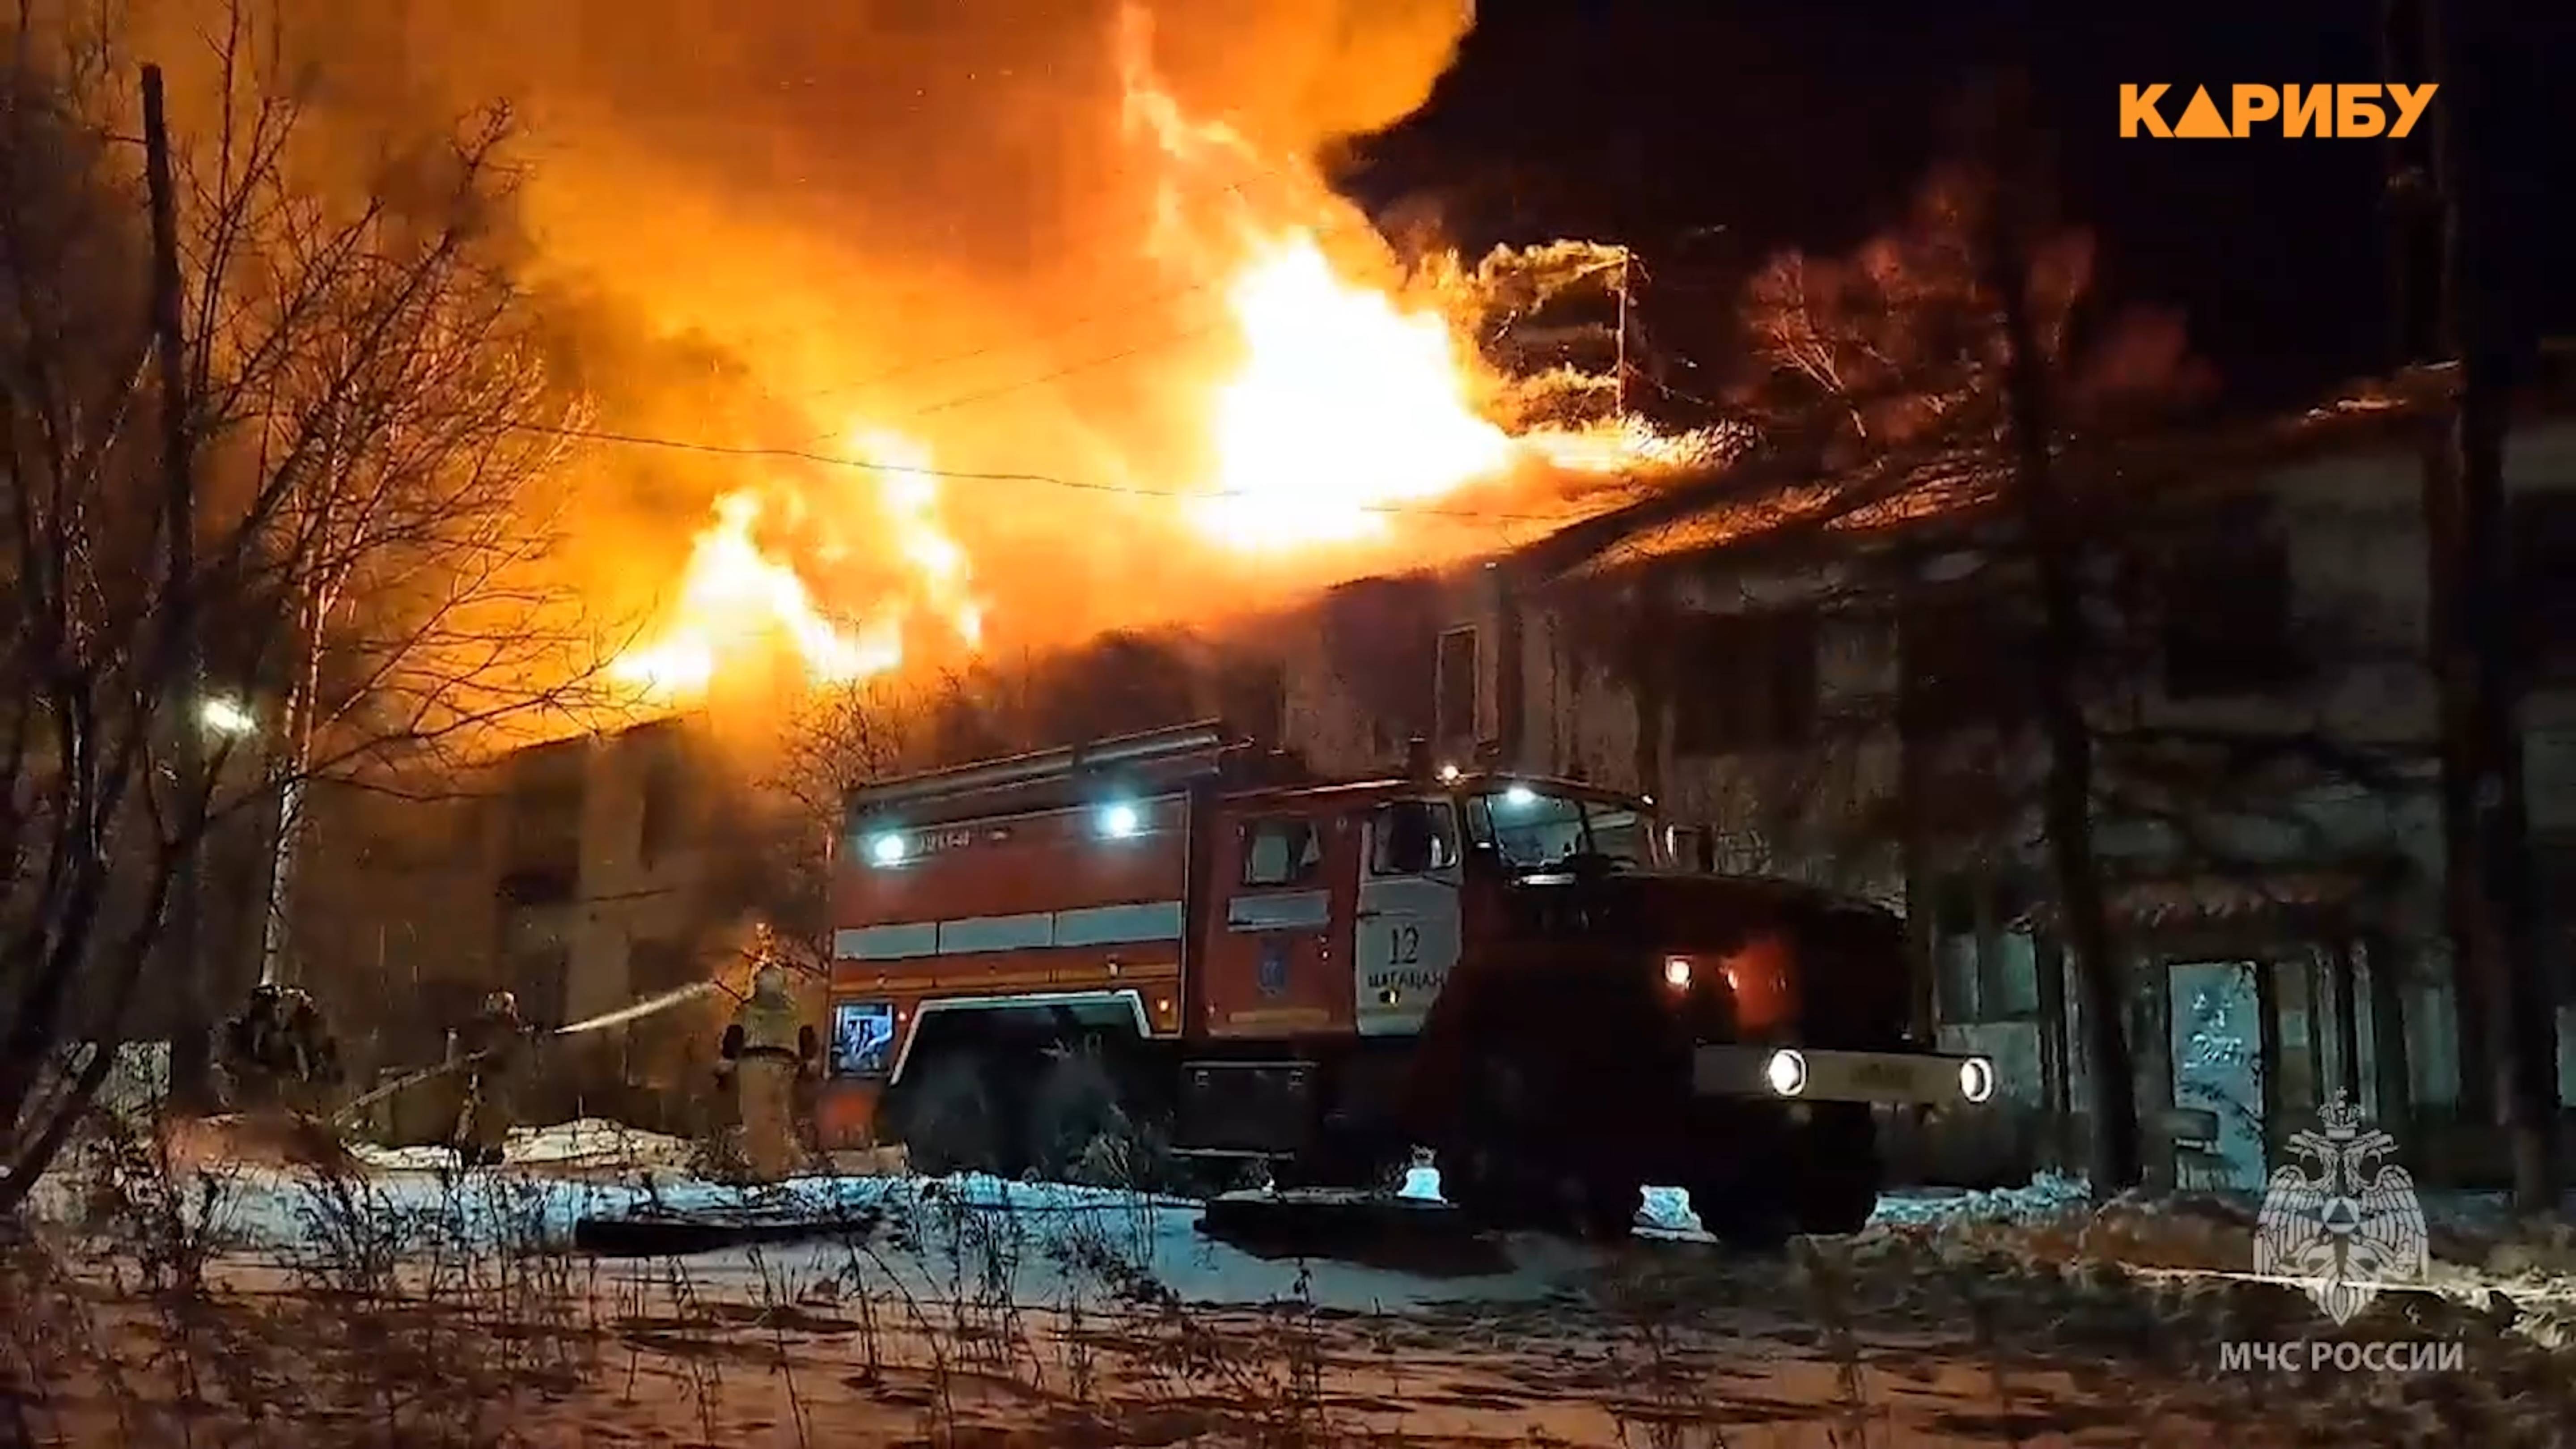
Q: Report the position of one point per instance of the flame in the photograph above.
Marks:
(1344, 404)
(909, 487)
(1347, 406)
(1350, 394)
(733, 599)
(737, 601)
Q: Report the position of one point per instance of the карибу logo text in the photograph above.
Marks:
(2353, 111)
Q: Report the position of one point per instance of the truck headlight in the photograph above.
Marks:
(1786, 1072)
(1677, 972)
(1976, 1079)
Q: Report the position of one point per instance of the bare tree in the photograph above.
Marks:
(843, 738)
(1907, 394)
(2503, 987)
(365, 407)
(2051, 535)
(400, 560)
(834, 741)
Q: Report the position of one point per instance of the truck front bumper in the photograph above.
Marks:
(1807, 1074)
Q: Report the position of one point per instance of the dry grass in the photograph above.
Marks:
(457, 1315)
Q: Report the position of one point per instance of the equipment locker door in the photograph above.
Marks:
(1279, 942)
(1408, 914)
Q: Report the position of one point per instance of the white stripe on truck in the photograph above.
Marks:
(1030, 931)
(973, 934)
(1282, 911)
(887, 943)
(1114, 925)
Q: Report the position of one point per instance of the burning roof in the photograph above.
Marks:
(1770, 497)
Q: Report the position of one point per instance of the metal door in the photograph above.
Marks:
(1279, 938)
(2218, 1069)
(1408, 932)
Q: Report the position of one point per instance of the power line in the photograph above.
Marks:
(835, 460)
(1320, 230)
(1071, 324)
(1087, 364)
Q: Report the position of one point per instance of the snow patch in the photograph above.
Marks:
(2046, 1196)
(584, 1142)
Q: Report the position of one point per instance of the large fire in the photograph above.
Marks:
(735, 598)
(1348, 400)
(1344, 407)
(737, 602)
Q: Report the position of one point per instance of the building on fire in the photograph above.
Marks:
(580, 874)
(1839, 697)
(1834, 694)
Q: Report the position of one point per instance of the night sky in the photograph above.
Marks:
(1808, 125)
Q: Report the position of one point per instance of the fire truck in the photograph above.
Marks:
(1175, 951)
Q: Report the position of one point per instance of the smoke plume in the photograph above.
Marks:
(786, 224)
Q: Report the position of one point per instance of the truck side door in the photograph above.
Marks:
(1408, 914)
(1280, 928)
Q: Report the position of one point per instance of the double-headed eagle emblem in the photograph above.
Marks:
(2347, 1231)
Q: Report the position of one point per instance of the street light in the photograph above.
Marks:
(226, 715)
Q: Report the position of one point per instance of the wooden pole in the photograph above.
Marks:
(2480, 670)
(191, 1076)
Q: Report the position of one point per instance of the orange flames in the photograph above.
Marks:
(1344, 404)
(1344, 407)
(736, 602)
(1348, 405)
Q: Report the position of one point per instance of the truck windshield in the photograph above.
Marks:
(1531, 829)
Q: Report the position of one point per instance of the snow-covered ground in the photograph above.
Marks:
(1969, 1317)
(593, 1142)
(557, 1177)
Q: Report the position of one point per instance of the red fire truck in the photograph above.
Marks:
(1173, 948)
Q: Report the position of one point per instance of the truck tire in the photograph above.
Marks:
(1486, 1170)
(1483, 1182)
(1349, 1165)
(1603, 1211)
(1825, 1184)
(1741, 1214)
(1082, 1128)
(947, 1121)
(1836, 1187)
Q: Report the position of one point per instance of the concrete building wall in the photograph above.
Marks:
(2354, 543)
(581, 877)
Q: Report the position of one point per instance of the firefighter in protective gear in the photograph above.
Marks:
(766, 1051)
(279, 1052)
(491, 1051)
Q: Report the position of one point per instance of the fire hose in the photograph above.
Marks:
(647, 1007)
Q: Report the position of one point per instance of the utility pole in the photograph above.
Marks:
(2418, 307)
(1620, 376)
(2448, 305)
(2052, 535)
(191, 1067)
(2476, 655)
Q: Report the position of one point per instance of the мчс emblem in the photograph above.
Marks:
(1273, 970)
(2350, 1231)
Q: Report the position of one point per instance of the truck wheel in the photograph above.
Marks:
(1485, 1184)
(1482, 1169)
(1206, 1178)
(1355, 1166)
(1740, 1215)
(1601, 1211)
(1836, 1189)
(1080, 1129)
(1832, 1204)
(947, 1122)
